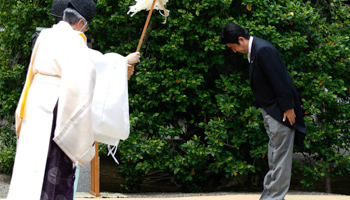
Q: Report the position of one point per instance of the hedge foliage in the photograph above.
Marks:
(192, 110)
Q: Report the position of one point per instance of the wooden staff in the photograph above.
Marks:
(94, 174)
(143, 33)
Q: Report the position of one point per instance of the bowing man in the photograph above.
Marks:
(281, 109)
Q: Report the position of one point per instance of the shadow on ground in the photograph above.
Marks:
(110, 182)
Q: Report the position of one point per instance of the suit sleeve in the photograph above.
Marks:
(274, 68)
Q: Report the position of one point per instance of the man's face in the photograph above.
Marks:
(235, 47)
(242, 47)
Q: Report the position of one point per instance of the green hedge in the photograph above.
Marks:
(192, 110)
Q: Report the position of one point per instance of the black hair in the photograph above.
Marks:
(232, 32)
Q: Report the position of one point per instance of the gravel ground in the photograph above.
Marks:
(5, 183)
(160, 195)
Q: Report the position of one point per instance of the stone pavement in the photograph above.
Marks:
(212, 196)
(292, 195)
(208, 196)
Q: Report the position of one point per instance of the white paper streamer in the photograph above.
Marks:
(146, 5)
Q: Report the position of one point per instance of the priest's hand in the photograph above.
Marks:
(130, 71)
(133, 58)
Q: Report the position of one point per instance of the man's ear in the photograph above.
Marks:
(81, 22)
(241, 40)
(78, 25)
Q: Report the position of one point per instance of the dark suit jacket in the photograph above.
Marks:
(273, 87)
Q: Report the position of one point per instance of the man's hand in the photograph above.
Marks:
(290, 115)
(133, 58)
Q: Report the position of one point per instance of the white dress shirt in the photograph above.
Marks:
(250, 47)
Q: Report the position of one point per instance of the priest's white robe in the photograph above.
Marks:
(63, 68)
(110, 105)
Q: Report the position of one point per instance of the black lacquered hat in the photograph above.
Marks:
(86, 8)
(57, 7)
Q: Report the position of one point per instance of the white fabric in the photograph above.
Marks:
(32, 146)
(110, 103)
(61, 71)
(73, 132)
(64, 69)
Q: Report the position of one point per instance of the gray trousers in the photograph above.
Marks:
(280, 151)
